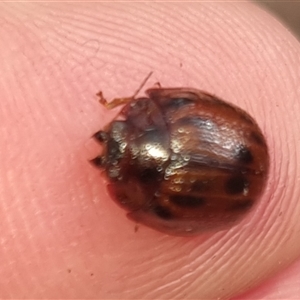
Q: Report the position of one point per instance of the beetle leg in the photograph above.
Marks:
(120, 101)
(101, 136)
(97, 161)
(157, 85)
(114, 103)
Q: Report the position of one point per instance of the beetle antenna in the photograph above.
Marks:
(142, 84)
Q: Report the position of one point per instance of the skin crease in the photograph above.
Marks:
(61, 234)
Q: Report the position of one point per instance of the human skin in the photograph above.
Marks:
(62, 236)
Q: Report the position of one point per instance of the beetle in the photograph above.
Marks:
(182, 161)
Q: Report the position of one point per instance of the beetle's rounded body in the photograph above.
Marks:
(183, 161)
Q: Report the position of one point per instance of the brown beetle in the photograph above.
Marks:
(183, 161)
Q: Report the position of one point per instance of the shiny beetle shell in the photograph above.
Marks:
(182, 161)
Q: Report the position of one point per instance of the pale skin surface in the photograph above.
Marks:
(61, 234)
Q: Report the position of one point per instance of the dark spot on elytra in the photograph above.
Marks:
(149, 175)
(241, 204)
(177, 103)
(163, 212)
(257, 138)
(236, 184)
(187, 201)
(244, 155)
(200, 186)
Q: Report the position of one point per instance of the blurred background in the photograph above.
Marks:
(287, 11)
